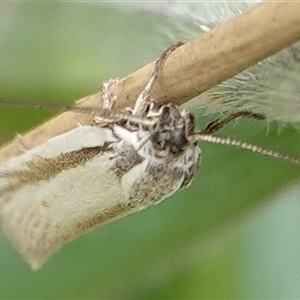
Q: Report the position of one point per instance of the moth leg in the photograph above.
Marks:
(144, 96)
(135, 115)
(216, 125)
(108, 100)
(105, 116)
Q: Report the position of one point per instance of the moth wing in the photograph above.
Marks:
(46, 201)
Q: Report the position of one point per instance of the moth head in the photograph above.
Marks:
(172, 131)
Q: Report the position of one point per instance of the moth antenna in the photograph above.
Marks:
(244, 145)
(46, 105)
(117, 117)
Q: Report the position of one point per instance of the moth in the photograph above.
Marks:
(92, 175)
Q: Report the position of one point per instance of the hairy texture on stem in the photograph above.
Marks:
(192, 69)
(270, 87)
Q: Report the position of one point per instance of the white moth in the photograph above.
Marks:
(95, 174)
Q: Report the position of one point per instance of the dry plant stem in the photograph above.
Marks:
(192, 68)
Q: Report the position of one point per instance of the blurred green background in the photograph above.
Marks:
(235, 233)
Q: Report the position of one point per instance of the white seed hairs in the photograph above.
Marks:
(91, 175)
